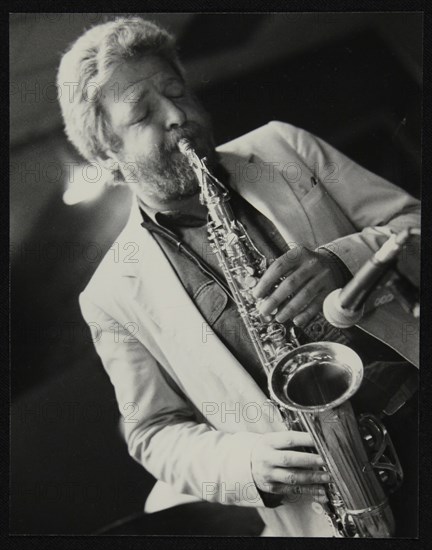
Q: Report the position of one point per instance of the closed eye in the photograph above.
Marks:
(175, 90)
(141, 119)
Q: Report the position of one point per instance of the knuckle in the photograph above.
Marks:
(287, 459)
(266, 477)
(289, 441)
(307, 293)
(316, 477)
(294, 280)
(312, 259)
(277, 264)
(265, 463)
(290, 478)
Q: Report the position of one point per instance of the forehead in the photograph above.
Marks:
(130, 80)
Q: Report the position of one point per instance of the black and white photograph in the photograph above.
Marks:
(215, 232)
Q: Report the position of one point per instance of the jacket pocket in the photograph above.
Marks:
(211, 300)
(327, 218)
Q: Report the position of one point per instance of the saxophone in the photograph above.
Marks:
(311, 384)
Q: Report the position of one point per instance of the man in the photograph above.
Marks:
(187, 382)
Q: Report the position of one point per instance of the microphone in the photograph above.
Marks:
(344, 307)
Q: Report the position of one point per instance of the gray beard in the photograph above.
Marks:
(166, 179)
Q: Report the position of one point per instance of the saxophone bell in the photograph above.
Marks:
(315, 382)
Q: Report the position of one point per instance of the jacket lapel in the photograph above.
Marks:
(265, 188)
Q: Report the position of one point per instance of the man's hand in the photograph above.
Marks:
(276, 469)
(308, 277)
(408, 263)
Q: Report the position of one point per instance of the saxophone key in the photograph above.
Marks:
(250, 281)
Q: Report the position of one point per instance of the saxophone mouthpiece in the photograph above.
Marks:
(185, 146)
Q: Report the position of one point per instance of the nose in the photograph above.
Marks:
(174, 116)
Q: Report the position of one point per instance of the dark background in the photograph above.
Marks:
(352, 79)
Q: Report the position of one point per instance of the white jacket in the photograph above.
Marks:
(191, 411)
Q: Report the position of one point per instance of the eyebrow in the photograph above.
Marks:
(129, 95)
(143, 92)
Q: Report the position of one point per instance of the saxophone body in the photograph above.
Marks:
(311, 384)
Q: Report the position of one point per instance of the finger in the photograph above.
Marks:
(296, 459)
(279, 268)
(287, 288)
(300, 301)
(289, 490)
(288, 439)
(289, 499)
(297, 476)
(309, 313)
(284, 459)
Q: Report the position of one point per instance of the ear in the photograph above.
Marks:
(108, 160)
(110, 166)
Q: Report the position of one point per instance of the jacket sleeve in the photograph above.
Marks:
(161, 427)
(375, 207)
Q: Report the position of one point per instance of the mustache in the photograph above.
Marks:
(191, 131)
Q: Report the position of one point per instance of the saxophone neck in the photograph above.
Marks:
(212, 190)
